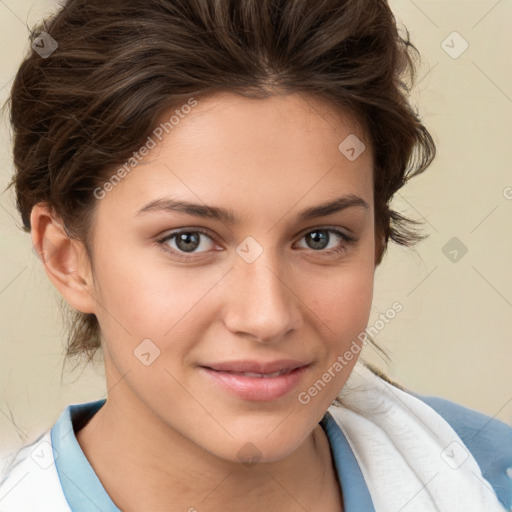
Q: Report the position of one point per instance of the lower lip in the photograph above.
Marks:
(259, 389)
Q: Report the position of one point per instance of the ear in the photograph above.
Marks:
(64, 259)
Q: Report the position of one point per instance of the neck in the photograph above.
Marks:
(145, 465)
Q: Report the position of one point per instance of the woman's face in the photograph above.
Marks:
(254, 284)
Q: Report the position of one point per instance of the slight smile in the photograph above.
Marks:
(257, 380)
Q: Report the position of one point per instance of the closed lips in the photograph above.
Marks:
(259, 381)
(257, 368)
(258, 375)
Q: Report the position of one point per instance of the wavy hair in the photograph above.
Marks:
(84, 109)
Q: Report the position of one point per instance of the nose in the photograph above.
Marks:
(262, 302)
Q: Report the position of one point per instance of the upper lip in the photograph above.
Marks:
(256, 366)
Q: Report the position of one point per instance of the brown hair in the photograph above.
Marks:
(119, 65)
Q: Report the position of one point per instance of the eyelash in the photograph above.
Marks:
(348, 240)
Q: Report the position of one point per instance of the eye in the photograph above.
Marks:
(319, 239)
(186, 242)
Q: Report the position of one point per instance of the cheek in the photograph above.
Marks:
(145, 298)
(340, 309)
(140, 299)
(353, 303)
(342, 298)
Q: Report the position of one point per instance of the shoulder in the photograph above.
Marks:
(29, 479)
(488, 439)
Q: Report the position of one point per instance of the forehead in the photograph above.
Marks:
(244, 152)
(224, 118)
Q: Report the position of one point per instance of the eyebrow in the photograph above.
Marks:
(227, 216)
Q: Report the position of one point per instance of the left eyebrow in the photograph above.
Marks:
(339, 204)
(227, 216)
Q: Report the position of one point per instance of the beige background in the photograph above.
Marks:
(454, 335)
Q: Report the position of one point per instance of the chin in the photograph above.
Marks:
(265, 445)
(249, 453)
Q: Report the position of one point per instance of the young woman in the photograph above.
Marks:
(208, 185)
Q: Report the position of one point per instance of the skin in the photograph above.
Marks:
(166, 433)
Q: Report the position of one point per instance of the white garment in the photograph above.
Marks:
(32, 484)
(411, 458)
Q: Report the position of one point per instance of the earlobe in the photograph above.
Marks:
(64, 259)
